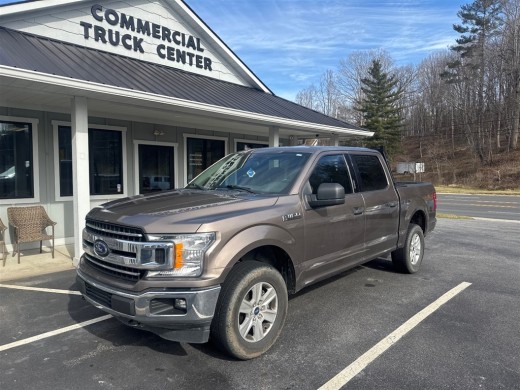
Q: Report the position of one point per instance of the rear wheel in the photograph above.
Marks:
(408, 259)
(251, 310)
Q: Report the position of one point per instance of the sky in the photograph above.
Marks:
(290, 44)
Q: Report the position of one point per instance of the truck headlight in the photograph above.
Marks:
(188, 254)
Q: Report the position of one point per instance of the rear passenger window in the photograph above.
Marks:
(371, 173)
(331, 169)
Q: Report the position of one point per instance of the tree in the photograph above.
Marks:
(481, 23)
(511, 53)
(380, 107)
(352, 71)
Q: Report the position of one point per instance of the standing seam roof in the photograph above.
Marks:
(31, 52)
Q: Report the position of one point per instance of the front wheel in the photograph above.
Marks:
(408, 259)
(251, 310)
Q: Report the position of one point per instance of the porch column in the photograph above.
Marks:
(335, 140)
(80, 171)
(274, 136)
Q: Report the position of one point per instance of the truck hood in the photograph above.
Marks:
(179, 211)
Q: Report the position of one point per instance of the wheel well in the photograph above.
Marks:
(419, 219)
(277, 258)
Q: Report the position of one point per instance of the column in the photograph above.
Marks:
(80, 171)
(274, 136)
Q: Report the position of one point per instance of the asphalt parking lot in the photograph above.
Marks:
(470, 341)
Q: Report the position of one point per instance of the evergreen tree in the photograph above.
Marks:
(380, 108)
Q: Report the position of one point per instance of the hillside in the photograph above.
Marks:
(460, 167)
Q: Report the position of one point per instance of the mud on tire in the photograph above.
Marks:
(251, 310)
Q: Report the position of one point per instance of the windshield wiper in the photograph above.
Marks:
(196, 186)
(240, 188)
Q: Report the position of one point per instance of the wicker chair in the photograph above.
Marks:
(3, 228)
(30, 224)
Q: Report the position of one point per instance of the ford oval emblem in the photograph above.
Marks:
(101, 248)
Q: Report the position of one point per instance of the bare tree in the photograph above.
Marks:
(511, 54)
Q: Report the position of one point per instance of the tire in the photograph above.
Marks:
(408, 259)
(242, 326)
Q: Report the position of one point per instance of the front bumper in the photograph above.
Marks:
(156, 310)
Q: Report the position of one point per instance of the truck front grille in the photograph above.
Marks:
(114, 231)
(118, 271)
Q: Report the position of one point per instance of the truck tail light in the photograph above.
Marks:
(434, 196)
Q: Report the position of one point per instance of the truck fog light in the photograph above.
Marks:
(180, 304)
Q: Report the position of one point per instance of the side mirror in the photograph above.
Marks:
(329, 194)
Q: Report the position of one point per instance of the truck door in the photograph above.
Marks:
(333, 234)
(381, 203)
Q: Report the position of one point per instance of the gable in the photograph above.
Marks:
(162, 32)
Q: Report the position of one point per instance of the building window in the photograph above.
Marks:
(156, 167)
(65, 160)
(16, 160)
(201, 153)
(246, 145)
(105, 161)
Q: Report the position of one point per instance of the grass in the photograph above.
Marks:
(451, 216)
(469, 190)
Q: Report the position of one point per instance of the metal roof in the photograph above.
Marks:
(40, 54)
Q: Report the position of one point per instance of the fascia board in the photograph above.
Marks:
(87, 86)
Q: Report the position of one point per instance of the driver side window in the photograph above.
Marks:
(331, 169)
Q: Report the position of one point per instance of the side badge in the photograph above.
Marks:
(290, 217)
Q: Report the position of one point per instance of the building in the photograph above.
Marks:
(105, 99)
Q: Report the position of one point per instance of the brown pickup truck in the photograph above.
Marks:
(218, 258)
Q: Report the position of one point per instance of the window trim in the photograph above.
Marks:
(175, 147)
(35, 163)
(185, 150)
(237, 140)
(57, 196)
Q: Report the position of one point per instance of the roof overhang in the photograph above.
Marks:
(25, 88)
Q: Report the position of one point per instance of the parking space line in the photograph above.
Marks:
(373, 353)
(50, 290)
(54, 333)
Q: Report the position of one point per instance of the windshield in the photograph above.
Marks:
(262, 173)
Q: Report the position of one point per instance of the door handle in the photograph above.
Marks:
(358, 210)
(391, 204)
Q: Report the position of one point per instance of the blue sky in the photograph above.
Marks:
(289, 44)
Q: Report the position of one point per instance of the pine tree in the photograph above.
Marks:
(380, 108)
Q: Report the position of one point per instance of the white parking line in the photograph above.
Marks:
(50, 290)
(373, 353)
(53, 333)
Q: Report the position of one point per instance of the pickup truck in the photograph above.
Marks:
(217, 259)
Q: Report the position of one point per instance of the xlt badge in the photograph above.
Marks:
(290, 217)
